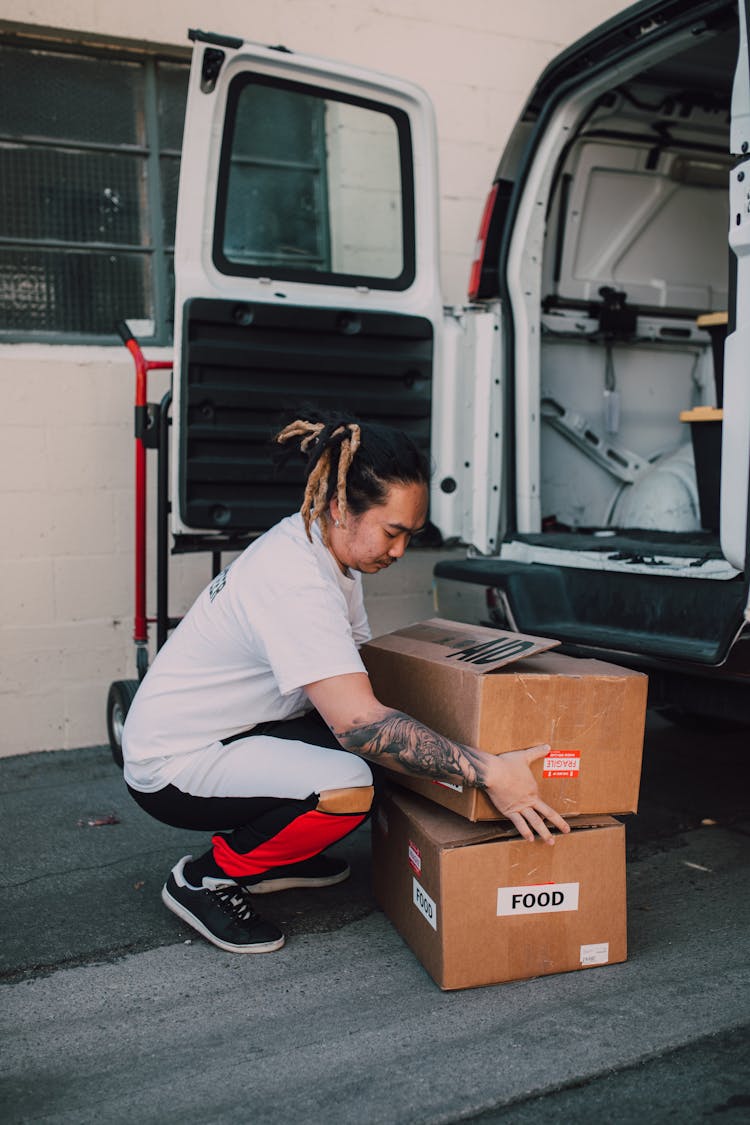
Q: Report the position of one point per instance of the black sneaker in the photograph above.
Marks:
(222, 913)
(319, 871)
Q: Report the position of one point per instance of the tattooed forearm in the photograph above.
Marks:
(415, 747)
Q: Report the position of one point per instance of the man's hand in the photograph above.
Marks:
(510, 785)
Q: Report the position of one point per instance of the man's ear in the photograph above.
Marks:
(334, 509)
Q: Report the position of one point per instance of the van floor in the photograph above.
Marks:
(633, 604)
(629, 542)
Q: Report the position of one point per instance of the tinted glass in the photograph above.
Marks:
(88, 145)
(69, 196)
(172, 85)
(80, 292)
(310, 183)
(169, 171)
(71, 97)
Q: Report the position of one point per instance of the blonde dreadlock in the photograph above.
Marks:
(316, 490)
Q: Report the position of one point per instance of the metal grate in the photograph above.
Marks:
(89, 162)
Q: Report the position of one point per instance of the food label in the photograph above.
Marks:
(424, 903)
(541, 898)
(562, 763)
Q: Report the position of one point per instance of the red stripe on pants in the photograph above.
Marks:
(307, 835)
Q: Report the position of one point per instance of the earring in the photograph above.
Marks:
(337, 523)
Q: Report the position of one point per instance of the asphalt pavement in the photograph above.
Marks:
(113, 1010)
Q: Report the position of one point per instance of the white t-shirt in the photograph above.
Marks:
(282, 615)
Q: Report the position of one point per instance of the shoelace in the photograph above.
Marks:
(236, 901)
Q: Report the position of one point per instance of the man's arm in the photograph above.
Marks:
(366, 727)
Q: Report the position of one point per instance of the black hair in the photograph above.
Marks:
(355, 461)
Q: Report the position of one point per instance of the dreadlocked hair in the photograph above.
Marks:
(354, 461)
(347, 437)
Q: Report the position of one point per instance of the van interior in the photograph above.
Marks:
(634, 310)
(618, 274)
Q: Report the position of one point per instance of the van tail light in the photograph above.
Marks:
(475, 275)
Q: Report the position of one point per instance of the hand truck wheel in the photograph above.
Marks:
(121, 695)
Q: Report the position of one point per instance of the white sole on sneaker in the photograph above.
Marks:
(196, 924)
(290, 884)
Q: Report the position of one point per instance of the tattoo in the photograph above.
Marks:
(416, 747)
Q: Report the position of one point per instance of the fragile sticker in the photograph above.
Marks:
(539, 898)
(424, 904)
(562, 763)
(597, 954)
(450, 785)
(415, 858)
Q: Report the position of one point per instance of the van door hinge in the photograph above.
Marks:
(213, 60)
(213, 57)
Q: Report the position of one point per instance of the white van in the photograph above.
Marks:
(590, 429)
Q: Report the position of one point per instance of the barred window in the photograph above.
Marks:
(89, 162)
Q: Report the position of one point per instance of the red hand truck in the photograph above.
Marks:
(152, 431)
(122, 692)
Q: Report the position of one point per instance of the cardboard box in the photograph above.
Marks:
(496, 691)
(478, 905)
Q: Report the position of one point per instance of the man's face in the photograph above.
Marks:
(379, 537)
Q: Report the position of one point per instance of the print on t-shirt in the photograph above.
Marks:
(218, 583)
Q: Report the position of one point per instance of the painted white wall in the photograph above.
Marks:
(66, 445)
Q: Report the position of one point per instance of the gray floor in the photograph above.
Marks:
(708, 1079)
(112, 1010)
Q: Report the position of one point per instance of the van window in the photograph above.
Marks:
(314, 186)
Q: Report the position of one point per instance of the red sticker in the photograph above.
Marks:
(415, 858)
(562, 763)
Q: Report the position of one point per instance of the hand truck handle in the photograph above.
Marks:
(124, 332)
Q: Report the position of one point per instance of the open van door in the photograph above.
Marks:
(735, 469)
(306, 270)
(606, 253)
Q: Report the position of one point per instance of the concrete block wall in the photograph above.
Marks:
(66, 446)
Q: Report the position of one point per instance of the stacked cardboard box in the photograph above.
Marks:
(477, 904)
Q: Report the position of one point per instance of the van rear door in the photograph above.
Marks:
(735, 468)
(599, 584)
(306, 270)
